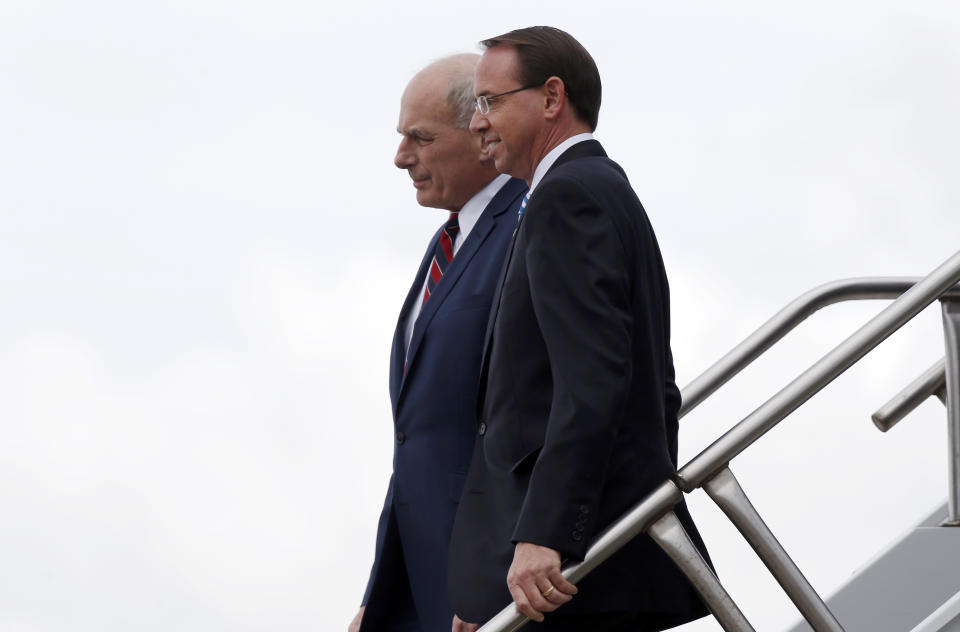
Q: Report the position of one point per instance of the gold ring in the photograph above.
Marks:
(549, 590)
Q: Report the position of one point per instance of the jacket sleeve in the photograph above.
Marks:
(580, 288)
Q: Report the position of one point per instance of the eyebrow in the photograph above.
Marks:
(413, 131)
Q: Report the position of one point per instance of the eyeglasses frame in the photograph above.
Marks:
(482, 104)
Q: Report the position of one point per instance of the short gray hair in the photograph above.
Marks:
(456, 71)
(461, 100)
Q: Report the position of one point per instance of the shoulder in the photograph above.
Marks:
(573, 203)
(590, 186)
(588, 171)
(588, 178)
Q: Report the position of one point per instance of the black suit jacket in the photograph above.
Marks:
(578, 403)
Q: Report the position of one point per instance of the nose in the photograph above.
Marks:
(404, 158)
(478, 122)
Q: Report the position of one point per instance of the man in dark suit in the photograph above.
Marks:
(435, 359)
(578, 404)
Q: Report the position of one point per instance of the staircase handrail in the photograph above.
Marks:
(785, 321)
(714, 459)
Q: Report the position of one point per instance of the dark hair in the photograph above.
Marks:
(544, 52)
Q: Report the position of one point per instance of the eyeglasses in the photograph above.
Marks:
(483, 103)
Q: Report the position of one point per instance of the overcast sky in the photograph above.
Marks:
(204, 246)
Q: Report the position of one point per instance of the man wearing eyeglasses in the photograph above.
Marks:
(578, 404)
(435, 359)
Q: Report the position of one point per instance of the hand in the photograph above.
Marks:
(535, 581)
(459, 625)
(355, 624)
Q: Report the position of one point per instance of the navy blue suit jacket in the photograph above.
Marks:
(434, 412)
(578, 403)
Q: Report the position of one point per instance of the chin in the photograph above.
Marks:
(425, 199)
(504, 167)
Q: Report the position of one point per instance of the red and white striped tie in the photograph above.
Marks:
(442, 255)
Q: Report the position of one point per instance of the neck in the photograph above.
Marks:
(552, 137)
(485, 175)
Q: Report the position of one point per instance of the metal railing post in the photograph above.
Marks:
(724, 489)
(931, 382)
(787, 319)
(951, 335)
(811, 381)
(674, 540)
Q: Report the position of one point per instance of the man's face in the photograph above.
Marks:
(443, 161)
(508, 132)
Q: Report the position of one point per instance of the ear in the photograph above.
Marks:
(556, 97)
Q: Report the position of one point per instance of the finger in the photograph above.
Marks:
(561, 582)
(556, 596)
(521, 597)
(523, 603)
(532, 587)
(355, 624)
(552, 597)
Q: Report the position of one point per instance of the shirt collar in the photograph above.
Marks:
(552, 156)
(471, 211)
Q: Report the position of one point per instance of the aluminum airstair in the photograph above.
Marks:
(913, 585)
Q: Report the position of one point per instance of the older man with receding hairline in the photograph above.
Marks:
(435, 358)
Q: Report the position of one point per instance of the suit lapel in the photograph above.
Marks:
(494, 308)
(398, 351)
(505, 199)
(583, 149)
(450, 278)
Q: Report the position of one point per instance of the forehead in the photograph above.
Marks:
(496, 69)
(423, 106)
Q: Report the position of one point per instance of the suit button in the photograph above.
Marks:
(576, 535)
(584, 509)
(401, 437)
(482, 429)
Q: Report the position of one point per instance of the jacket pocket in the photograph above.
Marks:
(524, 465)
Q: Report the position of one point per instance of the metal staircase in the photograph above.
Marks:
(913, 585)
(710, 470)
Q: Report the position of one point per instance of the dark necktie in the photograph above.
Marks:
(442, 255)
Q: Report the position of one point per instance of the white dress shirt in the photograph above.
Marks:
(467, 219)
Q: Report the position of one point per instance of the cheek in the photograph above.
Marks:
(437, 173)
(444, 165)
(512, 132)
(504, 132)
